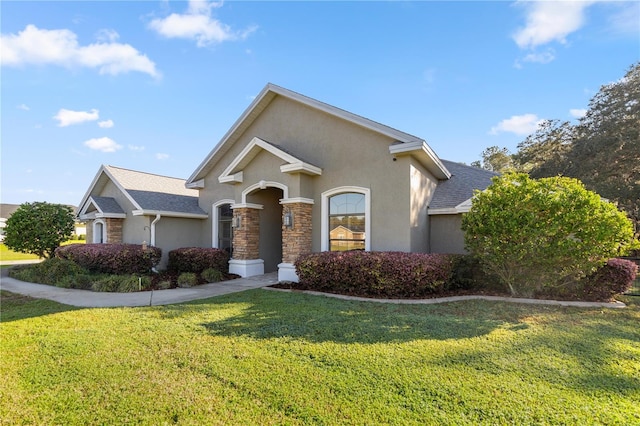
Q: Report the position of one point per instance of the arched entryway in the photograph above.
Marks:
(270, 224)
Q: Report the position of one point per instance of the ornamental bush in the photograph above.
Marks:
(112, 258)
(616, 277)
(538, 235)
(197, 259)
(39, 228)
(376, 274)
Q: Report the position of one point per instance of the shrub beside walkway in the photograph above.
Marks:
(91, 299)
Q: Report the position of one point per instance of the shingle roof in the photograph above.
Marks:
(107, 204)
(157, 193)
(461, 186)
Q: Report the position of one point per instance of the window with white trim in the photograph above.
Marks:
(347, 222)
(225, 230)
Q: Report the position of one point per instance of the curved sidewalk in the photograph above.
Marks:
(94, 299)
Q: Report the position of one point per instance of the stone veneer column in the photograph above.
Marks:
(246, 260)
(114, 230)
(296, 239)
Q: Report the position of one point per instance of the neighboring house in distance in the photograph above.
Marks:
(6, 210)
(294, 175)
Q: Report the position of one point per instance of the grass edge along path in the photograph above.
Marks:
(278, 358)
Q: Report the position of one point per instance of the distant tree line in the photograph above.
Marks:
(602, 150)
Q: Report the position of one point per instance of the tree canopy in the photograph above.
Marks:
(602, 149)
(39, 228)
(536, 234)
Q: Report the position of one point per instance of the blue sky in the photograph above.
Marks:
(154, 85)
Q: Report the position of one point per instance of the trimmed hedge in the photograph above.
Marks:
(112, 258)
(197, 259)
(616, 277)
(377, 274)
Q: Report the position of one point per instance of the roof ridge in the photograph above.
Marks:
(145, 173)
(277, 87)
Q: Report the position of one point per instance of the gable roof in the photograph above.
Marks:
(454, 195)
(415, 145)
(150, 194)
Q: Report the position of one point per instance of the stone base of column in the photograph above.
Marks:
(287, 272)
(246, 268)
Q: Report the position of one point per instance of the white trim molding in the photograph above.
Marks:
(324, 228)
(233, 172)
(263, 184)
(463, 207)
(103, 231)
(299, 200)
(215, 219)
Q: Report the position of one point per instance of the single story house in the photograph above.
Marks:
(292, 175)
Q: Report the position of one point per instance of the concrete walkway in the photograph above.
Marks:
(92, 299)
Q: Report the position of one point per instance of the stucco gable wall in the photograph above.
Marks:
(133, 231)
(349, 155)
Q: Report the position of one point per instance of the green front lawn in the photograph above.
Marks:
(263, 357)
(6, 254)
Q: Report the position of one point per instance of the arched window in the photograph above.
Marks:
(222, 237)
(99, 231)
(346, 222)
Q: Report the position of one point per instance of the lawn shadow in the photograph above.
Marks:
(14, 307)
(319, 319)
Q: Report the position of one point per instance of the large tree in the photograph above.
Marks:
(495, 159)
(39, 228)
(605, 152)
(602, 150)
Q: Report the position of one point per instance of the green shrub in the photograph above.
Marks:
(187, 279)
(26, 273)
(39, 228)
(212, 275)
(539, 234)
(164, 285)
(107, 283)
(132, 283)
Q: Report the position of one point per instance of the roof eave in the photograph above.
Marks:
(184, 215)
(423, 152)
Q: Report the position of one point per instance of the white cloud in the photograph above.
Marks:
(34, 46)
(161, 156)
(23, 107)
(522, 125)
(197, 24)
(103, 144)
(549, 21)
(106, 124)
(578, 113)
(136, 148)
(626, 18)
(540, 57)
(67, 117)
